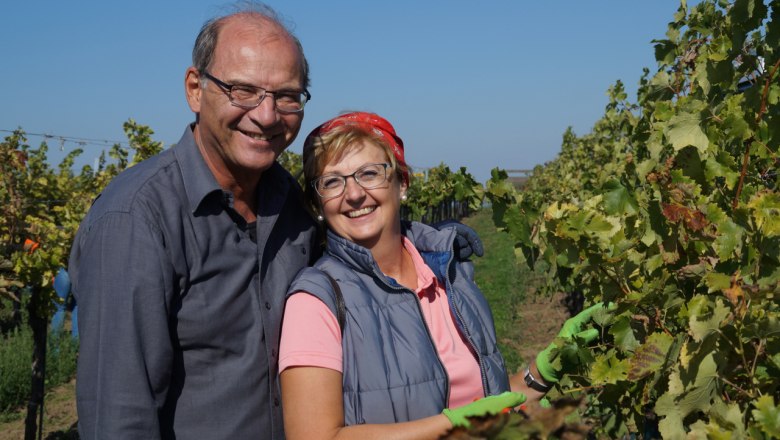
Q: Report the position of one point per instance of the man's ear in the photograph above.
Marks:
(193, 89)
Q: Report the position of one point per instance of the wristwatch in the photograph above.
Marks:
(531, 381)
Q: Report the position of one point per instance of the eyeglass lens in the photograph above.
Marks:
(369, 176)
(252, 97)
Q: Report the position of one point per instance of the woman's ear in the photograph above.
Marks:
(317, 209)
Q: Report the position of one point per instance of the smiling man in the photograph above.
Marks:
(181, 265)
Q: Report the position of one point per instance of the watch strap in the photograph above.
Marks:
(531, 381)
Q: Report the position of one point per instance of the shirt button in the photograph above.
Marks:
(268, 305)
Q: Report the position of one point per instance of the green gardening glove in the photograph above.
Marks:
(489, 405)
(575, 329)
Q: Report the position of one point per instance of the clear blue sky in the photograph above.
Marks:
(475, 84)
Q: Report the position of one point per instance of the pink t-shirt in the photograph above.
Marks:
(311, 335)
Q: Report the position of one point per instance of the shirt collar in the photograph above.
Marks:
(199, 182)
(425, 277)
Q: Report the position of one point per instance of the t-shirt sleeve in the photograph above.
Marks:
(311, 336)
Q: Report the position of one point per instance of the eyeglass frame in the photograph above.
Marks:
(385, 166)
(228, 88)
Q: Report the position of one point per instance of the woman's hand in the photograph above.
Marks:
(577, 329)
(489, 405)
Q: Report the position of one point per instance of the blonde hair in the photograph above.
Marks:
(320, 150)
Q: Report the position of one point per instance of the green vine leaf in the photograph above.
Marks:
(685, 130)
(728, 241)
(722, 166)
(748, 13)
(623, 334)
(670, 207)
(705, 316)
(617, 200)
(700, 396)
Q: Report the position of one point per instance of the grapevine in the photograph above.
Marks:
(670, 209)
(440, 194)
(41, 208)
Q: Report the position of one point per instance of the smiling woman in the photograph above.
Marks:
(417, 344)
(370, 217)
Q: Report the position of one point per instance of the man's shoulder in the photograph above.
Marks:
(149, 180)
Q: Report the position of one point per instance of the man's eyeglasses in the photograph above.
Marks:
(249, 97)
(368, 176)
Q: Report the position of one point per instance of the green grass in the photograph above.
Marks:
(16, 349)
(504, 283)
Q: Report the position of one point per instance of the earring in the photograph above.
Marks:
(320, 218)
(403, 198)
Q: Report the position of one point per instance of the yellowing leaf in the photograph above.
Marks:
(555, 211)
(767, 414)
(608, 370)
(716, 281)
(726, 421)
(766, 212)
(604, 228)
(736, 295)
(650, 356)
(676, 386)
(671, 425)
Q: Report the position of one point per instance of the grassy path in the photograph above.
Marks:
(502, 282)
(525, 322)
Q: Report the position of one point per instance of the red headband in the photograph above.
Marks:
(370, 122)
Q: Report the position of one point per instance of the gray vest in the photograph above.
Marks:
(391, 369)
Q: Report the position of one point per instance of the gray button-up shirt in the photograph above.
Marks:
(179, 309)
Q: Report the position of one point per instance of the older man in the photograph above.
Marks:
(180, 268)
(181, 265)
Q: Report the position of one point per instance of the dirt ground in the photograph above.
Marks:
(59, 416)
(542, 317)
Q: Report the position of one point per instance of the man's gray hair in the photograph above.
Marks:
(206, 42)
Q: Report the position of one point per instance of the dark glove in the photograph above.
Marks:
(489, 405)
(467, 240)
(575, 329)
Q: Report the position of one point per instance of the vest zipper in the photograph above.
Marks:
(459, 322)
